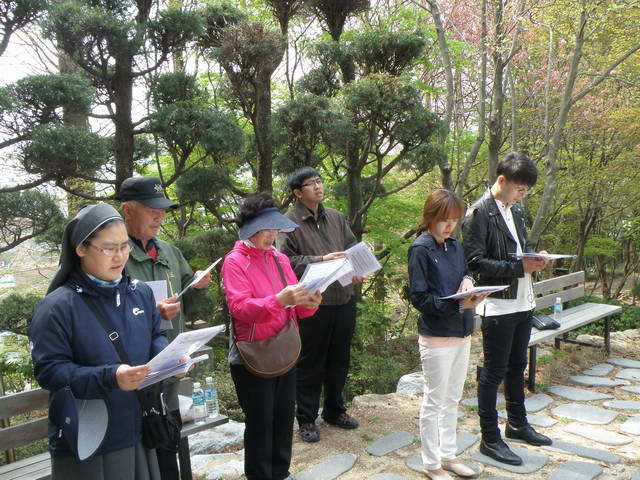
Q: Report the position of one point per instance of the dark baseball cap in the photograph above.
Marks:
(146, 190)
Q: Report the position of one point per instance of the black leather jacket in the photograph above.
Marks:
(488, 245)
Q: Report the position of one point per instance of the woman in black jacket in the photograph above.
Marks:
(437, 268)
(95, 419)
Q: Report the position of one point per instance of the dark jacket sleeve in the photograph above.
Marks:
(287, 243)
(421, 299)
(52, 355)
(475, 229)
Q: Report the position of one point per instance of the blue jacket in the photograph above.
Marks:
(70, 347)
(436, 273)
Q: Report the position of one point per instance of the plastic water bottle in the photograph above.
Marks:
(557, 309)
(198, 404)
(211, 398)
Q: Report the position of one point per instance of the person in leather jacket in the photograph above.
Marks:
(494, 233)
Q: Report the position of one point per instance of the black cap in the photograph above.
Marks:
(146, 190)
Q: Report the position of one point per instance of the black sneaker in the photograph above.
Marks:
(309, 433)
(345, 421)
(527, 434)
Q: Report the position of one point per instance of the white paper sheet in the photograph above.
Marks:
(159, 288)
(475, 291)
(160, 375)
(545, 256)
(182, 346)
(198, 277)
(319, 275)
(363, 262)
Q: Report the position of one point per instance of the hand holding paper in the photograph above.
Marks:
(475, 291)
(200, 276)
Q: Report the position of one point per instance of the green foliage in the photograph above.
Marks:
(218, 16)
(174, 87)
(334, 13)
(174, 28)
(382, 51)
(15, 362)
(602, 246)
(16, 310)
(206, 185)
(25, 215)
(61, 151)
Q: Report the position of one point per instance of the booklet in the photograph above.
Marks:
(475, 291)
(363, 262)
(155, 377)
(159, 289)
(545, 256)
(319, 275)
(182, 346)
(359, 261)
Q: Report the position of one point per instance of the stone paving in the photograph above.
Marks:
(595, 428)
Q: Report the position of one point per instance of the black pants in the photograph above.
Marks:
(504, 340)
(324, 361)
(268, 406)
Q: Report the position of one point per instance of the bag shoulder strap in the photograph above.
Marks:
(111, 332)
(280, 271)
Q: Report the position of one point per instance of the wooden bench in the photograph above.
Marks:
(567, 287)
(38, 467)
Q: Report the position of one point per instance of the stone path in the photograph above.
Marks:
(576, 471)
(595, 430)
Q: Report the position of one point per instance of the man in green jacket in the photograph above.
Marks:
(144, 206)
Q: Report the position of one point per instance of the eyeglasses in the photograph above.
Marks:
(311, 183)
(112, 251)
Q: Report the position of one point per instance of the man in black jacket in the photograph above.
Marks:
(494, 234)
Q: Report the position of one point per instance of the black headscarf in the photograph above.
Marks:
(87, 221)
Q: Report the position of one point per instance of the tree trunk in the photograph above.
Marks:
(445, 56)
(122, 84)
(71, 116)
(262, 127)
(497, 98)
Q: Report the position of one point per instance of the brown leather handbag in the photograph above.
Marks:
(275, 355)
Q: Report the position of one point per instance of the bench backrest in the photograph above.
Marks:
(567, 287)
(29, 431)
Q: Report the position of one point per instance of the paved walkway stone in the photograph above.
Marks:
(599, 435)
(629, 374)
(591, 381)
(415, 463)
(329, 469)
(531, 460)
(537, 420)
(635, 476)
(599, 370)
(578, 394)
(584, 413)
(586, 452)
(465, 441)
(389, 443)
(387, 476)
(576, 471)
(473, 402)
(623, 404)
(631, 425)
(624, 362)
(632, 389)
(537, 402)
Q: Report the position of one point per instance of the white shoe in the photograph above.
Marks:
(439, 474)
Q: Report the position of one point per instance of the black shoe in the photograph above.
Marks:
(527, 434)
(500, 452)
(309, 433)
(345, 421)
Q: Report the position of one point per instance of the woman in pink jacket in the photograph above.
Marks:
(257, 298)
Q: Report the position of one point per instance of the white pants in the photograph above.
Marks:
(445, 370)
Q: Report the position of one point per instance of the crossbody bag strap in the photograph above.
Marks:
(280, 271)
(111, 332)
